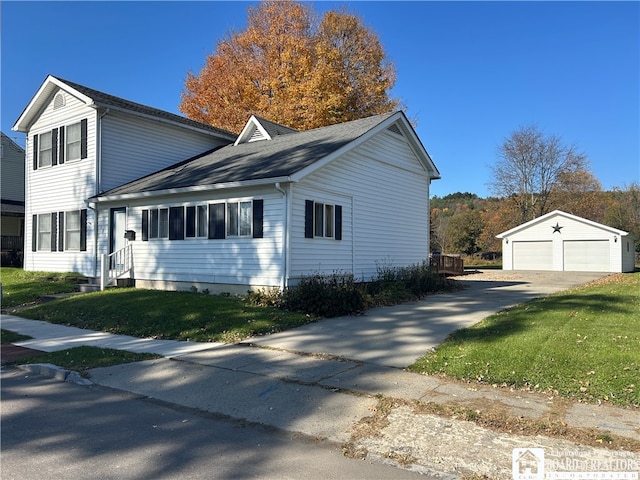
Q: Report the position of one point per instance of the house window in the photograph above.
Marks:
(72, 230)
(202, 221)
(153, 223)
(73, 142)
(239, 217)
(322, 220)
(158, 223)
(163, 223)
(44, 232)
(213, 221)
(45, 149)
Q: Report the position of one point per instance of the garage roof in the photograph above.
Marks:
(560, 213)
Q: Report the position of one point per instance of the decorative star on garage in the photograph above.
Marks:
(556, 228)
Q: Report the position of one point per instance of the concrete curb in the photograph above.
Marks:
(55, 372)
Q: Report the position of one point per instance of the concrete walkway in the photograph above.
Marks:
(290, 385)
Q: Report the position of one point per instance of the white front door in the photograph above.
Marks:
(118, 227)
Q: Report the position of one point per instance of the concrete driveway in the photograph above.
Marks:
(397, 336)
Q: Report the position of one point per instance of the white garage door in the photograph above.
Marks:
(532, 255)
(586, 256)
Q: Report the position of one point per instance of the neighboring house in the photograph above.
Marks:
(563, 242)
(12, 206)
(266, 209)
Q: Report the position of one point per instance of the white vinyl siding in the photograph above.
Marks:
(587, 256)
(384, 194)
(133, 147)
(533, 255)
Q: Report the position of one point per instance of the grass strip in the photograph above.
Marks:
(81, 359)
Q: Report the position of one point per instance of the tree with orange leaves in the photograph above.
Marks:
(292, 69)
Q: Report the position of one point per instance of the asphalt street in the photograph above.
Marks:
(58, 430)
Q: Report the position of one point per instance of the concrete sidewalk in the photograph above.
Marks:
(50, 337)
(286, 381)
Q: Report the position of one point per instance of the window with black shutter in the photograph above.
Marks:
(322, 220)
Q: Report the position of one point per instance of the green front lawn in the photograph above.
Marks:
(583, 343)
(167, 315)
(20, 287)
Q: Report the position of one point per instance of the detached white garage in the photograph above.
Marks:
(563, 242)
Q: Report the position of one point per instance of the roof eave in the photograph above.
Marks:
(186, 190)
(617, 231)
(158, 119)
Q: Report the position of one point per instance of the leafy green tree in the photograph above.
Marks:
(464, 230)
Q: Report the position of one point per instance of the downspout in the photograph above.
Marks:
(285, 237)
(98, 189)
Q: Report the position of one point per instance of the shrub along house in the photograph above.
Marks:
(261, 209)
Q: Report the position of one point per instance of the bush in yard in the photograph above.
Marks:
(326, 296)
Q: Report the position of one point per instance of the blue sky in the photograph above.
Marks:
(470, 73)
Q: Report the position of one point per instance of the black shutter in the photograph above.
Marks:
(216, 221)
(191, 222)
(83, 230)
(54, 230)
(83, 138)
(338, 220)
(176, 223)
(145, 225)
(54, 146)
(60, 231)
(62, 145)
(34, 233)
(35, 152)
(308, 219)
(258, 213)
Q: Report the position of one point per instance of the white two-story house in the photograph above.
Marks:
(181, 204)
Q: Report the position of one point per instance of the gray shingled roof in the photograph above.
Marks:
(104, 99)
(280, 157)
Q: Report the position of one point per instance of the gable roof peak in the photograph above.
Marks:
(258, 128)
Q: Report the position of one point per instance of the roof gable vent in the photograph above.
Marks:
(395, 129)
(59, 101)
(257, 135)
